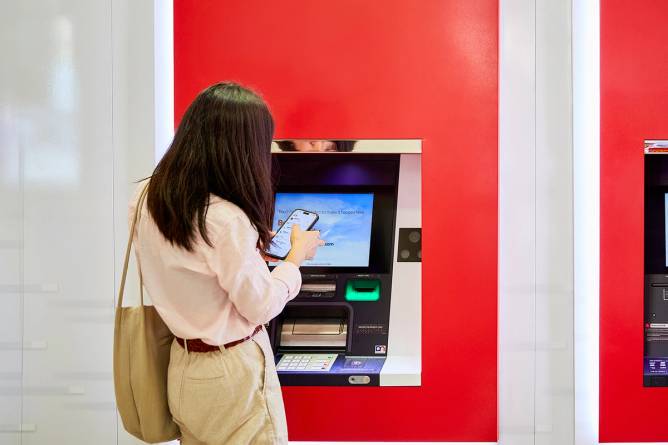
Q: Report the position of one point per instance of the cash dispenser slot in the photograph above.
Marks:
(314, 327)
(314, 333)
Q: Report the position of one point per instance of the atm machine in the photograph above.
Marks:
(357, 318)
(655, 372)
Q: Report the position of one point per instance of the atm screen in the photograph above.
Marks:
(344, 224)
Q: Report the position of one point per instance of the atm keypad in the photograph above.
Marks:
(306, 362)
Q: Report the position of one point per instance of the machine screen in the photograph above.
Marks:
(344, 224)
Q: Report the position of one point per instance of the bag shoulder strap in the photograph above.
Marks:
(135, 219)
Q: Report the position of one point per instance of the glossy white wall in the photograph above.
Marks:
(536, 355)
(57, 99)
(11, 257)
(586, 182)
(77, 128)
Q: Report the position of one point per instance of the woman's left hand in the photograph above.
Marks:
(266, 257)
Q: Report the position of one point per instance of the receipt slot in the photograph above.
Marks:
(357, 318)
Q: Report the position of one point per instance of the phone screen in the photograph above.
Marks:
(280, 243)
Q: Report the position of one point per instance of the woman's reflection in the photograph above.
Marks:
(316, 145)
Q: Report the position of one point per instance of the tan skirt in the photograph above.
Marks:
(227, 397)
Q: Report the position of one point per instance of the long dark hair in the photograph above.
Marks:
(222, 147)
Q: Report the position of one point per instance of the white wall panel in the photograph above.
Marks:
(586, 147)
(554, 225)
(536, 229)
(11, 255)
(64, 97)
(517, 225)
(76, 129)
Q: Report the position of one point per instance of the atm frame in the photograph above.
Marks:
(402, 363)
(655, 367)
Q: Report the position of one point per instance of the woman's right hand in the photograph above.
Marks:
(304, 245)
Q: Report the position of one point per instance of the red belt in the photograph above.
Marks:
(197, 345)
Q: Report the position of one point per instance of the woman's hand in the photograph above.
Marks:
(266, 257)
(304, 245)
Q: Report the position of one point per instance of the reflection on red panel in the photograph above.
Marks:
(385, 69)
(634, 100)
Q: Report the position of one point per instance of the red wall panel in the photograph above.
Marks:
(385, 69)
(634, 100)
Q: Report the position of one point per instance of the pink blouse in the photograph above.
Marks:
(218, 294)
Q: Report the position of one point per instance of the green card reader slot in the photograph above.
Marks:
(363, 290)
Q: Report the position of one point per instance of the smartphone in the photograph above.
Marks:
(280, 242)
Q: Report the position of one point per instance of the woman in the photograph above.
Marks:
(206, 221)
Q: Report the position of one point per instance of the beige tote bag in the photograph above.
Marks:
(142, 343)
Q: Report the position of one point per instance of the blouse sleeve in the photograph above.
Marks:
(257, 294)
